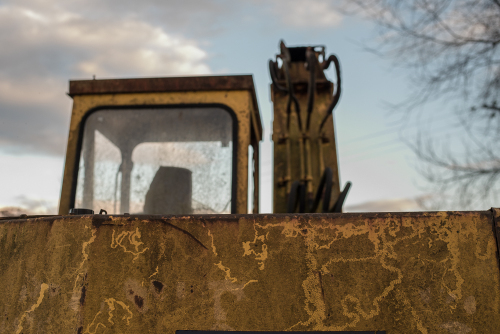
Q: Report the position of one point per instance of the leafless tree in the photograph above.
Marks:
(452, 47)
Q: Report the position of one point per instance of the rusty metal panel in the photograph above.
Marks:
(151, 85)
(394, 272)
(169, 84)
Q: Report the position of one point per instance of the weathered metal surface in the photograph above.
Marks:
(172, 84)
(393, 272)
(150, 85)
(496, 229)
(303, 147)
(242, 102)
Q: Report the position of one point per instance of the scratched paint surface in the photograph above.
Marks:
(402, 273)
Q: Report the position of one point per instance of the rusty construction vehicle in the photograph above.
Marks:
(159, 232)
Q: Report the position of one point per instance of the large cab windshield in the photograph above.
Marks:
(157, 161)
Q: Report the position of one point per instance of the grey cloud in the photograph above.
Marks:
(48, 47)
(201, 18)
(32, 128)
(192, 17)
(45, 43)
(57, 42)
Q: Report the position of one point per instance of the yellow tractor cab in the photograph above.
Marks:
(163, 146)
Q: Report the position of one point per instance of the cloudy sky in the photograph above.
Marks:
(46, 43)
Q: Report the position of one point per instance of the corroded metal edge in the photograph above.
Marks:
(152, 85)
(285, 216)
(28, 217)
(173, 84)
(496, 230)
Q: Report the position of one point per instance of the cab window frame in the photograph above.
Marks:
(224, 107)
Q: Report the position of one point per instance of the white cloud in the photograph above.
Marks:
(386, 205)
(113, 47)
(30, 182)
(44, 47)
(46, 43)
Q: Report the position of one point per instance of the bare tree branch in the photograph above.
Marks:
(452, 49)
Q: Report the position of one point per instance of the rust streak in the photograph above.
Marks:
(187, 233)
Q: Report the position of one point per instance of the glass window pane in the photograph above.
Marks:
(157, 161)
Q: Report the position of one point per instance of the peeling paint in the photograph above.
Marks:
(227, 271)
(81, 272)
(470, 305)
(137, 295)
(85, 255)
(111, 304)
(425, 295)
(212, 239)
(133, 239)
(406, 302)
(219, 288)
(259, 256)
(92, 324)
(455, 327)
(44, 287)
(180, 289)
(93, 327)
(156, 272)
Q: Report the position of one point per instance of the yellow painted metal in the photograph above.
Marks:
(240, 101)
(398, 272)
(321, 146)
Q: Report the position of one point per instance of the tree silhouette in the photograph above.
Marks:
(452, 49)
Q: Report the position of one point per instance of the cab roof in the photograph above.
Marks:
(168, 84)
